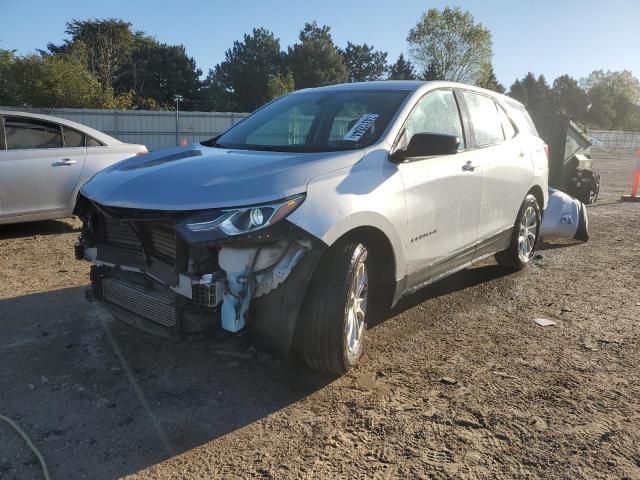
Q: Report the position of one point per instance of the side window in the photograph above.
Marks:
(436, 112)
(485, 119)
(507, 124)
(72, 138)
(23, 133)
(92, 142)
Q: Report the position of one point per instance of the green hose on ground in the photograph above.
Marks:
(28, 441)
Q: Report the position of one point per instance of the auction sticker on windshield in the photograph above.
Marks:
(365, 122)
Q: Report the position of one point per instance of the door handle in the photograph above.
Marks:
(469, 167)
(66, 161)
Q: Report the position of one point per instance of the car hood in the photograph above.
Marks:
(197, 177)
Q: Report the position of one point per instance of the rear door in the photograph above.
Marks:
(506, 170)
(38, 171)
(442, 193)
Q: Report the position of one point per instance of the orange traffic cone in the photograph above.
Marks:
(183, 142)
(635, 183)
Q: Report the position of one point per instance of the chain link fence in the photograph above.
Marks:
(613, 140)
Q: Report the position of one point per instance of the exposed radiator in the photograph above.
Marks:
(161, 238)
(141, 301)
(120, 234)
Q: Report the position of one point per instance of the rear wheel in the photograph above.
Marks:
(524, 236)
(335, 311)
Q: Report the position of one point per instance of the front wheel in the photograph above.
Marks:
(524, 236)
(335, 311)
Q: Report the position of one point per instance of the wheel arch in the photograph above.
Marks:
(380, 250)
(537, 192)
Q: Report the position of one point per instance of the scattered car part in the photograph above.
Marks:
(543, 322)
(570, 164)
(564, 218)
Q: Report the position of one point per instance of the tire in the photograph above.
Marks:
(524, 236)
(334, 325)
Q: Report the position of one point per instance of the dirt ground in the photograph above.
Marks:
(102, 400)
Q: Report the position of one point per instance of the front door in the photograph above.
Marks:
(442, 194)
(37, 173)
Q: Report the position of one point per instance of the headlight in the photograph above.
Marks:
(243, 220)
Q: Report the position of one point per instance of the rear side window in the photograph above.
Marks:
(436, 112)
(522, 118)
(24, 133)
(72, 138)
(487, 125)
(92, 142)
(507, 125)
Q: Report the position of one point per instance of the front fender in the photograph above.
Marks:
(367, 194)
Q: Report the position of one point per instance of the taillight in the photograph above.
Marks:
(547, 151)
(142, 152)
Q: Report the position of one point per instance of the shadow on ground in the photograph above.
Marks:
(103, 400)
(45, 227)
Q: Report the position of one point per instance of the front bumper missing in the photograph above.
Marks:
(149, 305)
(175, 304)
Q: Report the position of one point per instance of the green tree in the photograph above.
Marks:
(489, 80)
(402, 70)
(315, 60)
(431, 73)
(8, 91)
(214, 96)
(619, 82)
(57, 81)
(450, 44)
(615, 98)
(158, 72)
(103, 45)
(280, 85)
(134, 67)
(569, 98)
(248, 67)
(535, 94)
(363, 63)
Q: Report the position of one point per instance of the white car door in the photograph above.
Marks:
(506, 170)
(442, 193)
(38, 172)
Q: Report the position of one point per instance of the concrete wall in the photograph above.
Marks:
(151, 128)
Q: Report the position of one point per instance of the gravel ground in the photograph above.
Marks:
(458, 382)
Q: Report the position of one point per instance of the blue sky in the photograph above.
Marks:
(545, 36)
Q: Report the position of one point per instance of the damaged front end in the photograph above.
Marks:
(179, 273)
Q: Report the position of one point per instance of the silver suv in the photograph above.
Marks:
(316, 212)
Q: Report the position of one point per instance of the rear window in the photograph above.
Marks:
(24, 133)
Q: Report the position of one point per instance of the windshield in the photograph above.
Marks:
(315, 122)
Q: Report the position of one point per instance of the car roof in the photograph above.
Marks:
(409, 86)
(98, 135)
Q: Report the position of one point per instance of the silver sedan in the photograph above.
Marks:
(44, 161)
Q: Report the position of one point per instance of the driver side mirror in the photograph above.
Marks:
(426, 145)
